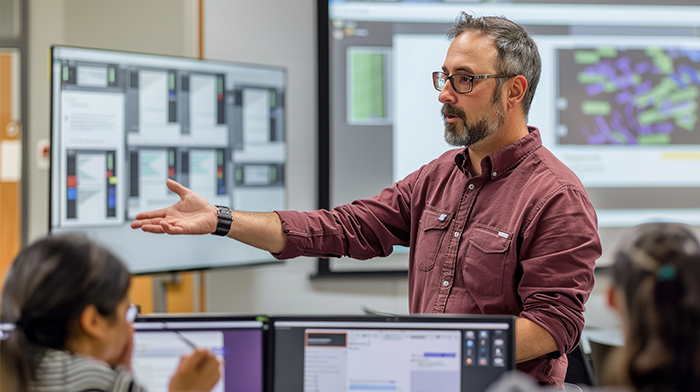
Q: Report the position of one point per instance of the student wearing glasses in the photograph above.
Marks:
(65, 300)
(496, 226)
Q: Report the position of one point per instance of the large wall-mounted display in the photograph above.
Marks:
(617, 100)
(124, 123)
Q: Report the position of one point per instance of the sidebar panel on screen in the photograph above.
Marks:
(258, 143)
(92, 139)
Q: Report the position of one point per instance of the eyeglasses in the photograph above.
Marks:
(131, 313)
(461, 83)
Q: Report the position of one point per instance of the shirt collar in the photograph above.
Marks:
(506, 158)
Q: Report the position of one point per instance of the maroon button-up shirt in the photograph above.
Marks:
(520, 239)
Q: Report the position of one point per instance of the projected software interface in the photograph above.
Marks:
(617, 99)
(158, 347)
(124, 123)
(375, 356)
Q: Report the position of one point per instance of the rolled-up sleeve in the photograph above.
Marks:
(559, 250)
(362, 229)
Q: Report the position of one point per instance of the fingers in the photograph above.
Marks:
(202, 360)
(177, 188)
(207, 365)
(198, 371)
(143, 222)
(148, 225)
(152, 214)
(155, 229)
(166, 227)
(157, 226)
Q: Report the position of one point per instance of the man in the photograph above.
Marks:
(498, 227)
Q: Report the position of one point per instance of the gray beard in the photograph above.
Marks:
(464, 134)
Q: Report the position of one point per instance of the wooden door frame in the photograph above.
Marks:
(21, 43)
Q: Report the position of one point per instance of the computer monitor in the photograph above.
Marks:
(407, 353)
(240, 341)
(123, 123)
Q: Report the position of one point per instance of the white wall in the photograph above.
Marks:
(166, 27)
(283, 33)
(276, 32)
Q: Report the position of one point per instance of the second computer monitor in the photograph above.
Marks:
(417, 353)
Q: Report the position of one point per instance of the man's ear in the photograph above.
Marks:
(515, 91)
(92, 323)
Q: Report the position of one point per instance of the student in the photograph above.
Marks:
(656, 292)
(67, 299)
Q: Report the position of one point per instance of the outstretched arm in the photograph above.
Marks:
(194, 215)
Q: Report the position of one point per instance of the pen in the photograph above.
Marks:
(184, 339)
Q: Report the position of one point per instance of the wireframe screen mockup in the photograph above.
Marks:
(616, 102)
(159, 342)
(448, 354)
(124, 123)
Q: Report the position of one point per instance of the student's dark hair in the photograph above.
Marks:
(517, 51)
(46, 289)
(657, 268)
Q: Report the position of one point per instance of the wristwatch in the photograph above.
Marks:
(225, 217)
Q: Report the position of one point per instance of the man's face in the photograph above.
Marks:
(471, 118)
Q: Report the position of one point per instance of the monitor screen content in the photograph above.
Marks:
(616, 102)
(124, 123)
(450, 354)
(159, 342)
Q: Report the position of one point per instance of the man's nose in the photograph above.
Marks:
(447, 94)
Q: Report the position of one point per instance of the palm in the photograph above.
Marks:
(191, 215)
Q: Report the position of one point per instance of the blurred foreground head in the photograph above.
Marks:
(656, 288)
(47, 288)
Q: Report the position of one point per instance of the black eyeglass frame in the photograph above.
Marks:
(437, 78)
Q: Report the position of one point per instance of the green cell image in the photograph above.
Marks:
(600, 108)
(368, 86)
(645, 96)
(607, 51)
(586, 57)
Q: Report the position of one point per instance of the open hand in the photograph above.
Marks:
(191, 215)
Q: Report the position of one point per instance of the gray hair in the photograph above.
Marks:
(517, 51)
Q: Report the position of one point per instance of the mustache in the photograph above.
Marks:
(449, 110)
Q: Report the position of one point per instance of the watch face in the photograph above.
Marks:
(224, 212)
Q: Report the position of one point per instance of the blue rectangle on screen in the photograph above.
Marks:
(72, 193)
(362, 387)
(449, 355)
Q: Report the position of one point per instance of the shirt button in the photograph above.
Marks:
(494, 174)
(445, 283)
(471, 187)
(456, 234)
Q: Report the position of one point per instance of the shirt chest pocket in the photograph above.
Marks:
(431, 235)
(484, 264)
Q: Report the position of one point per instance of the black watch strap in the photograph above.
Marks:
(225, 217)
